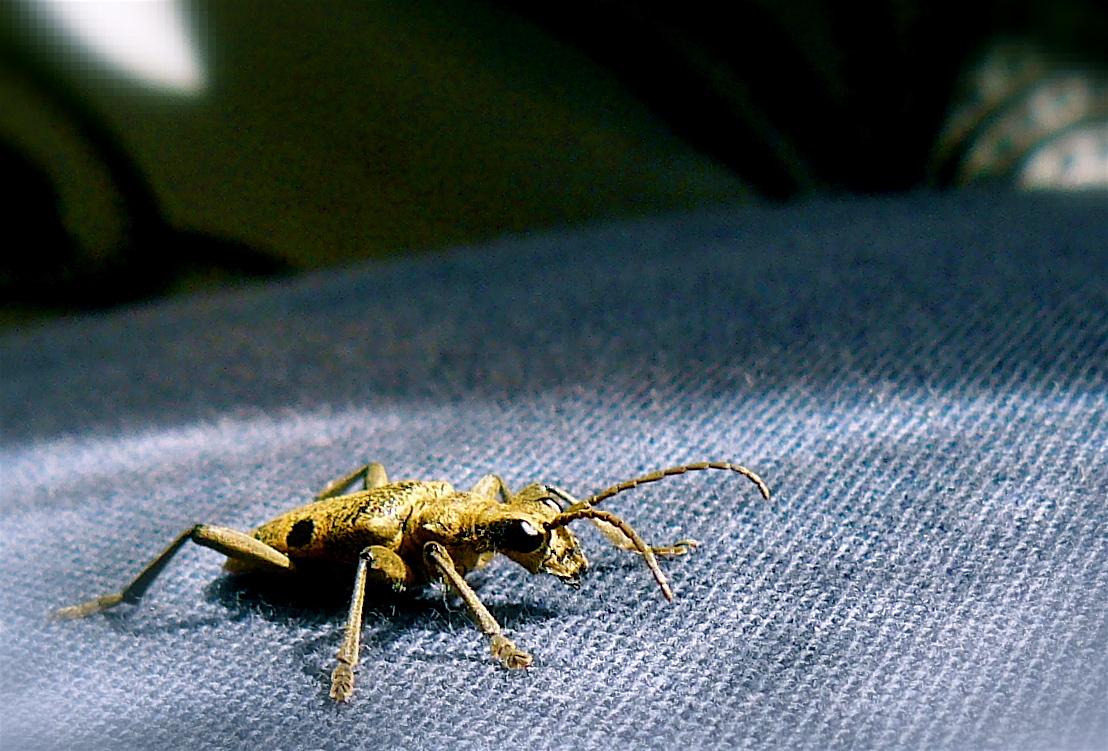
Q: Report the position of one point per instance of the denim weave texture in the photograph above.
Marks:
(921, 380)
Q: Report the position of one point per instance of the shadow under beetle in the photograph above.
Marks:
(406, 534)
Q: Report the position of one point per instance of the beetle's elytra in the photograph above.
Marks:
(406, 534)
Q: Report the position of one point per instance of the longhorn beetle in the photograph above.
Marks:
(405, 534)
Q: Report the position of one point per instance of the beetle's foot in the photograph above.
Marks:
(342, 682)
(87, 608)
(509, 654)
(681, 547)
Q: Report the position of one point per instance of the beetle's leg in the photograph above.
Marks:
(491, 486)
(623, 542)
(613, 533)
(342, 678)
(374, 561)
(388, 569)
(372, 475)
(625, 529)
(502, 648)
(230, 542)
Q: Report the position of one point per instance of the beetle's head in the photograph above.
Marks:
(519, 531)
(531, 528)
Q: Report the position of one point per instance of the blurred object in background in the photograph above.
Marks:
(800, 96)
(297, 135)
(151, 41)
(1028, 117)
(307, 135)
(85, 226)
(151, 147)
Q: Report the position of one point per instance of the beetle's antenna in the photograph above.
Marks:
(663, 473)
(586, 512)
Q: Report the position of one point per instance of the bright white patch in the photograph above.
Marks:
(1076, 159)
(146, 39)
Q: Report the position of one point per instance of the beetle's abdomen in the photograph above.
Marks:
(337, 529)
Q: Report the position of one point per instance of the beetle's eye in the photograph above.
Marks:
(518, 535)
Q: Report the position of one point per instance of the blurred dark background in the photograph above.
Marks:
(315, 134)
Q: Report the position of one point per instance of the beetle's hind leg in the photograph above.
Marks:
(372, 475)
(501, 646)
(232, 543)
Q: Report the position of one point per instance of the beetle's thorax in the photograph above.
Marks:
(452, 521)
(472, 528)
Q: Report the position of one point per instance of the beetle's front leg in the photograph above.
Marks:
(501, 646)
(380, 563)
(623, 542)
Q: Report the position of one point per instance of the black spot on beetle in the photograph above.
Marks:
(300, 534)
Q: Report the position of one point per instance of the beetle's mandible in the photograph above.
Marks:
(406, 534)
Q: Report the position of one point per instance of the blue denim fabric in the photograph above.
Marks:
(922, 380)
